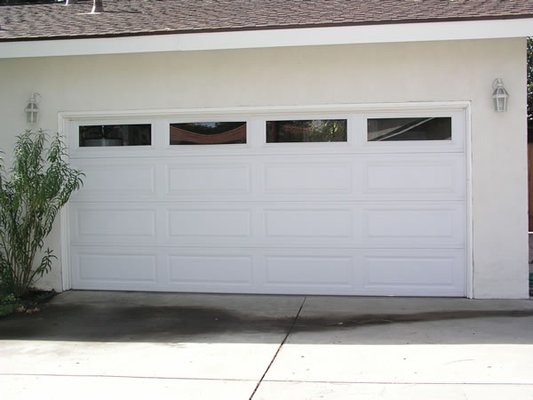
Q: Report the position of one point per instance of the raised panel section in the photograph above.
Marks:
(116, 267)
(208, 179)
(308, 270)
(315, 223)
(316, 178)
(404, 270)
(411, 226)
(210, 270)
(118, 179)
(110, 222)
(207, 222)
(400, 177)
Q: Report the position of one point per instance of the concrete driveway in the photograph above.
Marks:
(88, 345)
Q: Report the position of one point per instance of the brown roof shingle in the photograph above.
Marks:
(143, 17)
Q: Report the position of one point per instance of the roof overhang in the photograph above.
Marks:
(246, 39)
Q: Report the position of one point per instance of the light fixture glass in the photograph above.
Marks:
(499, 96)
(32, 109)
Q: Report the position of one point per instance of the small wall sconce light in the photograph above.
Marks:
(499, 96)
(32, 109)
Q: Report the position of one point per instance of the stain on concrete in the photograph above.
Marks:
(310, 324)
(125, 323)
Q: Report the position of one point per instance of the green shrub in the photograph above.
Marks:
(39, 183)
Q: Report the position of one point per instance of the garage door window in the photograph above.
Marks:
(208, 133)
(400, 129)
(316, 130)
(115, 135)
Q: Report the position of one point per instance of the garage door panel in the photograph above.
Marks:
(411, 271)
(112, 180)
(97, 266)
(209, 222)
(315, 223)
(213, 269)
(423, 177)
(413, 226)
(308, 177)
(113, 222)
(208, 180)
(304, 271)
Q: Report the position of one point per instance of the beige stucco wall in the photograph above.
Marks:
(382, 73)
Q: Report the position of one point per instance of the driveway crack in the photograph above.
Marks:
(289, 331)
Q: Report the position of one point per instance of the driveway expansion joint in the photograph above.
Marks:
(289, 331)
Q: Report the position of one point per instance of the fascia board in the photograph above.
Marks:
(390, 33)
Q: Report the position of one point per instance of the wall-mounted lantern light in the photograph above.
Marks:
(499, 96)
(32, 109)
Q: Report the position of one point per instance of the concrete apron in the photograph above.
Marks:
(86, 345)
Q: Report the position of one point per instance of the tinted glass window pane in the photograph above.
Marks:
(115, 135)
(395, 129)
(208, 133)
(317, 130)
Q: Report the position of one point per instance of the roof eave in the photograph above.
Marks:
(265, 38)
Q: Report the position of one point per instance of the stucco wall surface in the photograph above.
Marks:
(353, 74)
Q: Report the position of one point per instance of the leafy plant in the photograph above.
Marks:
(40, 182)
(8, 304)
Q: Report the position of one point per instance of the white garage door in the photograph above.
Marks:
(336, 203)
